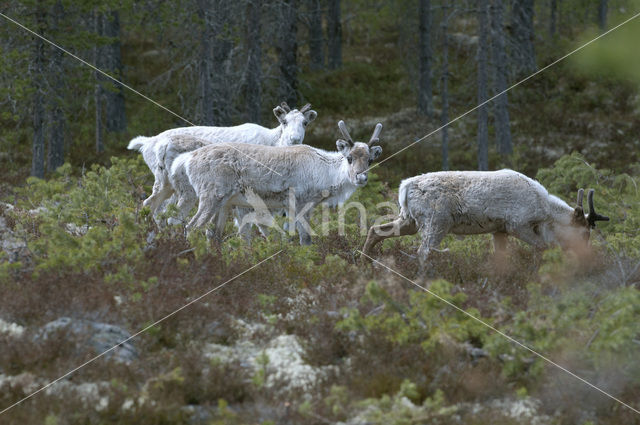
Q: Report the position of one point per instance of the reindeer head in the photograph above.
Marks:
(294, 123)
(359, 155)
(581, 223)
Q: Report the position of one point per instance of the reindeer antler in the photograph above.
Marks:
(305, 108)
(343, 129)
(375, 138)
(286, 107)
(580, 197)
(593, 215)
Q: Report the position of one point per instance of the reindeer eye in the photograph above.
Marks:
(349, 159)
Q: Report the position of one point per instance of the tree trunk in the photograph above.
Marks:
(483, 130)
(254, 61)
(502, 125)
(316, 48)
(206, 64)
(222, 46)
(425, 105)
(523, 59)
(553, 16)
(445, 90)
(116, 119)
(98, 90)
(602, 15)
(56, 126)
(288, 47)
(37, 161)
(334, 34)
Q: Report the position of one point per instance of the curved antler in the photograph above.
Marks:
(286, 107)
(375, 138)
(593, 215)
(580, 197)
(343, 129)
(305, 108)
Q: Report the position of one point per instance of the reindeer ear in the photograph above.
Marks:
(311, 115)
(280, 113)
(343, 147)
(374, 152)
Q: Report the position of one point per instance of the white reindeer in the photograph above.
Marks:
(501, 202)
(221, 178)
(160, 151)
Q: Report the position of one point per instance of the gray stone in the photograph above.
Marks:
(97, 336)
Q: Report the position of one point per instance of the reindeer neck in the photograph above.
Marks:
(337, 180)
(560, 210)
(275, 134)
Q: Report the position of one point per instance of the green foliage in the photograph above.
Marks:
(614, 55)
(259, 378)
(592, 328)
(617, 195)
(397, 409)
(425, 320)
(90, 224)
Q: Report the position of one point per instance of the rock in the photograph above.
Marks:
(25, 382)
(281, 358)
(525, 411)
(75, 230)
(92, 395)
(475, 353)
(39, 210)
(100, 337)
(11, 329)
(14, 247)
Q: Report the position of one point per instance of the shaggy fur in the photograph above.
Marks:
(221, 177)
(501, 202)
(160, 151)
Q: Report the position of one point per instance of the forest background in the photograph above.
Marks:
(360, 344)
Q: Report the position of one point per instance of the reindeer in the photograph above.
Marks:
(501, 202)
(221, 178)
(160, 151)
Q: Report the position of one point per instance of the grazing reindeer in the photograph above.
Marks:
(160, 151)
(221, 178)
(501, 202)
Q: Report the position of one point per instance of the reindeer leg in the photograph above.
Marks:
(223, 213)
(186, 200)
(305, 237)
(185, 204)
(433, 232)
(500, 242)
(399, 227)
(244, 229)
(208, 207)
(162, 190)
